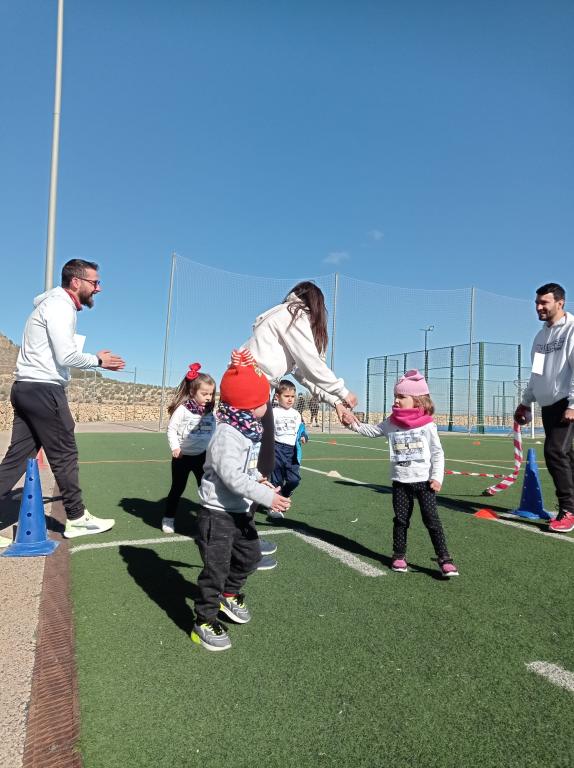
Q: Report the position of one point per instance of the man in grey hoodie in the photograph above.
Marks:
(551, 385)
(42, 417)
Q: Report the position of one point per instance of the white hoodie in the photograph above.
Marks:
(556, 344)
(48, 348)
(282, 346)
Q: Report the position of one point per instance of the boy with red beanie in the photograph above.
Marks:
(227, 539)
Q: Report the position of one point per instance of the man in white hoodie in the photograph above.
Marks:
(42, 417)
(551, 385)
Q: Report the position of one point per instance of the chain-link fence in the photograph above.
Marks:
(474, 387)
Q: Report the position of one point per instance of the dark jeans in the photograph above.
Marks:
(286, 473)
(42, 419)
(404, 495)
(266, 460)
(559, 453)
(229, 547)
(180, 470)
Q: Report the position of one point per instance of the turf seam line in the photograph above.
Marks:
(553, 673)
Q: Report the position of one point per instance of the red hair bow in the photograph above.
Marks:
(193, 372)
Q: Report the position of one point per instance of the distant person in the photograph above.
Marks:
(551, 385)
(301, 403)
(190, 428)
(228, 539)
(291, 338)
(417, 466)
(42, 417)
(314, 411)
(290, 434)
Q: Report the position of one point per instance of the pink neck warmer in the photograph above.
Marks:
(409, 418)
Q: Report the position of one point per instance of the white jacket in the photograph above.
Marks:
(48, 348)
(191, 432)
(556, 344)
(416, 454)
(282, 347)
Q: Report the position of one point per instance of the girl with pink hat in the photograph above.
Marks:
(417, 466)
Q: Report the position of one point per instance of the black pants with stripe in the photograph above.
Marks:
(229, 547)
(404, 495)
(42, 419)
(559, 453)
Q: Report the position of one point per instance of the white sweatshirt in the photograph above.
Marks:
(282, 347)
(191, 432)
(287, 421)
(48, 348)
(416, 454)
(556, 344)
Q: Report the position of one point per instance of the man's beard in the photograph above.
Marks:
(86, 300)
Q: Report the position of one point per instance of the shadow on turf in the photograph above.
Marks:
(161, 580)
(350, 545)
(151, 513)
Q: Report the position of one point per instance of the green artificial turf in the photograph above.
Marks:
(336, 668)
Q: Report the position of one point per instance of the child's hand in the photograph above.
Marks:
(347, 418)
(280, 503)
(435, 485)
(303, 440)
(176, 453)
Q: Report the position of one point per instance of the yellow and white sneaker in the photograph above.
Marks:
(4, 542)
(87, 524)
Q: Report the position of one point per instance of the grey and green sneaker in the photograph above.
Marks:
(235, 608)
(211, 635)
(267, 547)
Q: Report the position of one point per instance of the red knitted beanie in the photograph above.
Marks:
(244, 385)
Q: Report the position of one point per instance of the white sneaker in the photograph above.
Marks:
(168, 524)
(87, 524)
(4, 542)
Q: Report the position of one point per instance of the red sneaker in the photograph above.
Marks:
(563, 524)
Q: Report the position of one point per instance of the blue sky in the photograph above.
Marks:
(414, 144)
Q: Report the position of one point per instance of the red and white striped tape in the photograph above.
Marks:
(507, 480)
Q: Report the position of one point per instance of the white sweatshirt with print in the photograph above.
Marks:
(191, 432)
(416, 454)
(282, 347)
(287, 421)
(556, 344)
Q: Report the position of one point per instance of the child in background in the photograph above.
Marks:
(288, 439)
(190, 428)
(417, 461)
(228, 540)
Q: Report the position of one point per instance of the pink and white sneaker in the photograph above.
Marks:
(448, 569)
(564, 523)
(399, 565)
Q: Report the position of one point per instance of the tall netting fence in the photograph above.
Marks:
(212, 311)
(474, 387)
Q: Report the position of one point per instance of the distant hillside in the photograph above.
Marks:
(8, 354)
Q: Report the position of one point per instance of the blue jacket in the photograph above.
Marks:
(301, 432)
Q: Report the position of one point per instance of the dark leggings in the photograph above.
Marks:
(180, 470)
(404, 495)
(266, 460)
(559, 453)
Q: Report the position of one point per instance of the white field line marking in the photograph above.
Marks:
(157, 540)
(553, 673)
(340, 554)
(512, 522)
(335, 552)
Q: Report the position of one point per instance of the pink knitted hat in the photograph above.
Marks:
(413, 383)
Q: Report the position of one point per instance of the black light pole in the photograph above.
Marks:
(426, 332)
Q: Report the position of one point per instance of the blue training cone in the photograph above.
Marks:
(531, 503)
(31, 536)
